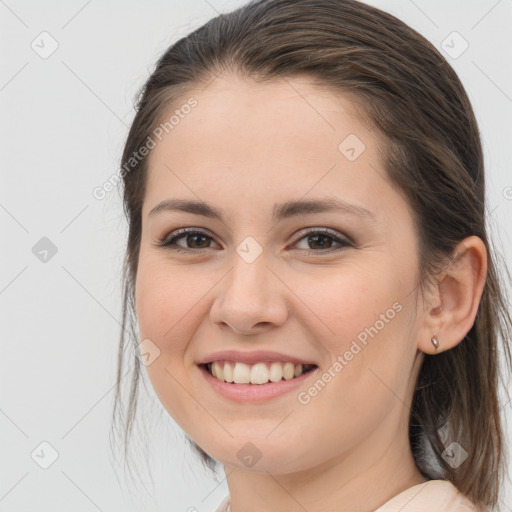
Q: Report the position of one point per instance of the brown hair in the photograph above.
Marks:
(432, 153)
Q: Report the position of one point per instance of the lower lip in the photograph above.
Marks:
(254, 392)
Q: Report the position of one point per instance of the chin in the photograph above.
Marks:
(261, 456)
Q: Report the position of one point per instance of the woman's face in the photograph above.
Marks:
(261, 278)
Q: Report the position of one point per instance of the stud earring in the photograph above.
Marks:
(435, 341)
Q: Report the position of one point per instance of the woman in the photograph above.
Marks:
(308, 264)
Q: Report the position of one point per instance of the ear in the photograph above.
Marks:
(453, 301)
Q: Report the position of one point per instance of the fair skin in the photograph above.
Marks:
(243, 148)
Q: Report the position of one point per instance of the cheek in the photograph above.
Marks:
(172, 302)
(167, 301)
(346, 300)
(361, 320)
(165, 297)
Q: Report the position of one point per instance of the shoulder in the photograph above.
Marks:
(429, 496)
(434, 495)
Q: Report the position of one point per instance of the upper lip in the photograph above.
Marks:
(255, 356)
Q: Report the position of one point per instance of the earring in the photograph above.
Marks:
(435, 341)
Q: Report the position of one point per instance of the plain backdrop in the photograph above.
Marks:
(69, 74)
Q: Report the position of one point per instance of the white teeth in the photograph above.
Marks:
(276, 372)
(288, 371)
(259, 373)
(241, 373)
(228, 372)
(219, 372)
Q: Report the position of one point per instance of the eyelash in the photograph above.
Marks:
(181, 233)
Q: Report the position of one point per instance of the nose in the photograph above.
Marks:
(250, 298)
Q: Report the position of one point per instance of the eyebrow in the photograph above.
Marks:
(279, 212)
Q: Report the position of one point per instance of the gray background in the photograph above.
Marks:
(64, 118)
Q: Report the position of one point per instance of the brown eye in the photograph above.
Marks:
(321, 241)
(318, 241)
(194, 239)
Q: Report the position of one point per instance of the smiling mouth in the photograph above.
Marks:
(234, 372)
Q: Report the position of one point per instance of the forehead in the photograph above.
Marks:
(280, 137)
(264, 112)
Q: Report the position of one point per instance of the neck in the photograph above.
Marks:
(385, 466)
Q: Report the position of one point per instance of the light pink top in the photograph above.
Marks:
(434, 495)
